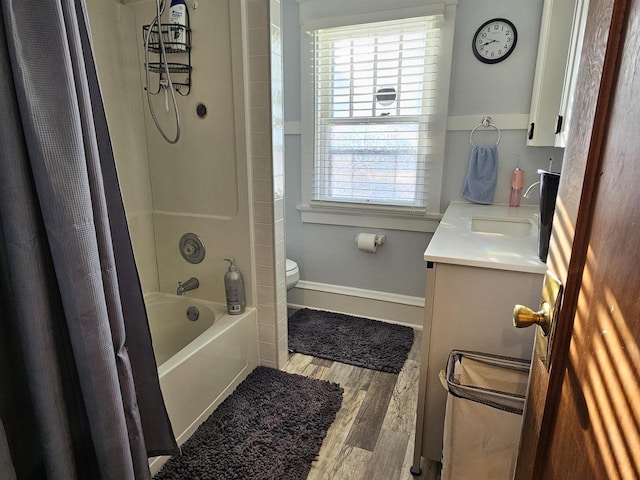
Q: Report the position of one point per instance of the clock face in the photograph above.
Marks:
(495, 40)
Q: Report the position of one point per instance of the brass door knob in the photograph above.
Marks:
(525, 317)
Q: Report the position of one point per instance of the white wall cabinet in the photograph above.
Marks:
(571, 74)
(551, 64)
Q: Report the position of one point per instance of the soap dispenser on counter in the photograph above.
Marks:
(517, 180)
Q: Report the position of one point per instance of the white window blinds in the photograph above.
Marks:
(375, 92)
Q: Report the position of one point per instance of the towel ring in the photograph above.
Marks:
(486, 122)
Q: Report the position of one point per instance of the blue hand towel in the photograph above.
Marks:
(482, 176)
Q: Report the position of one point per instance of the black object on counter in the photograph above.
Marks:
(549, 182)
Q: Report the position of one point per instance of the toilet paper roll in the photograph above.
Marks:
(367, 242)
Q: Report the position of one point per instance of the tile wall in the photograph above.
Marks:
(267, 157)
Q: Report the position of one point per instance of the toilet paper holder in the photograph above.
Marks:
(371, 241)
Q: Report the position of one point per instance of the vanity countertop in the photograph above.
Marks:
(488, 236)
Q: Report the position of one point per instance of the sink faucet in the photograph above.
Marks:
(187, 285)
(528, 192)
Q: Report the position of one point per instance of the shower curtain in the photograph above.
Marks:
(79, 391)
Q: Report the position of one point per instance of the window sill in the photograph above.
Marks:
(369, 217)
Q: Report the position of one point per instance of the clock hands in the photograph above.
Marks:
(487, 43)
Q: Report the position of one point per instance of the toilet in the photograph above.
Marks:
(293, 274)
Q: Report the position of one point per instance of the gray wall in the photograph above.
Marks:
(326, 253)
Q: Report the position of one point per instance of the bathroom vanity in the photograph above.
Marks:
(481, 261)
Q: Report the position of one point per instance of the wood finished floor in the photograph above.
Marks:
(373, 434)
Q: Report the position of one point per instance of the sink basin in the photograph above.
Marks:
(502, 225)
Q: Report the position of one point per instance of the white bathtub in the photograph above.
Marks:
(199, 362)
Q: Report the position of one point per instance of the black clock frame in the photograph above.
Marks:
(494, 60)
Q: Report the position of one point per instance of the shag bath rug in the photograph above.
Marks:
(270, 428)
(347, 339)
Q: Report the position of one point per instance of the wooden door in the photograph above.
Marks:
(582, 418)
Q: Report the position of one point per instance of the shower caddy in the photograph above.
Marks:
(183, 84)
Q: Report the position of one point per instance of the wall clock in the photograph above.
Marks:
(494, 40)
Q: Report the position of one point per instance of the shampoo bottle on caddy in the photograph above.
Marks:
(178, 29)
(234, 288)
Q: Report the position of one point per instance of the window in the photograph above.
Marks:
(375, 91)
(374, 99)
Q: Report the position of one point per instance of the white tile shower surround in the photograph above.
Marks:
(265, 94)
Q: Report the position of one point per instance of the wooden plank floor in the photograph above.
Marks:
(373, 433)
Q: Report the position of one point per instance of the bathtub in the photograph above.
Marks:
(199, 362)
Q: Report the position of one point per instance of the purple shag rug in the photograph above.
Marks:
(270, 428)
(354, 340)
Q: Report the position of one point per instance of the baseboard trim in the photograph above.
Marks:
(384, 306)
(362, 293)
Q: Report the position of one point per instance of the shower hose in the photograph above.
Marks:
(160, 7)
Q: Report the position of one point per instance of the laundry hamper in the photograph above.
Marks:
(483, 415)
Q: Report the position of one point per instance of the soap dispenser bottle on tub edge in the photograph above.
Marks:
(234, 289)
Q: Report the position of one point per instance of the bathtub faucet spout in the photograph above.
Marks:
(187, 285)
